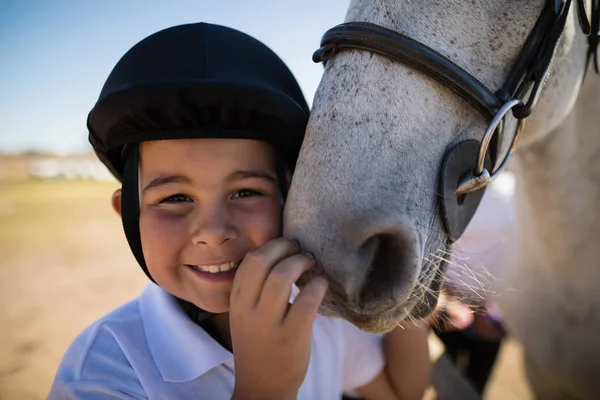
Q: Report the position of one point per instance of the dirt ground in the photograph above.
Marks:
(65, 262)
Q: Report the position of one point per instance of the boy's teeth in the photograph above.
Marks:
(213, 269)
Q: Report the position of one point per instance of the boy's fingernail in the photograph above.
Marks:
(310, 255)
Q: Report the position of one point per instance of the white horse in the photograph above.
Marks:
(365, 194)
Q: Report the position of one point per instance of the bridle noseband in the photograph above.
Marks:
(461, 182)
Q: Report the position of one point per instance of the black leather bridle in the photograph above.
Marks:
(462, 184)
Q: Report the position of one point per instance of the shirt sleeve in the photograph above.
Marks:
(95, 368)
(89, 390)
(363, 357)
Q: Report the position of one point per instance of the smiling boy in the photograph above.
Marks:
(204, 205)
(203, 125)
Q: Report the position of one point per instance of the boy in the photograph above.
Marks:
(203, 124)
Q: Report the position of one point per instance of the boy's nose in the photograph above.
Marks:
(213, 230)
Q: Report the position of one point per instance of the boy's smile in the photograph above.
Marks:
(217, 271)
(215, 268)
(204, 203)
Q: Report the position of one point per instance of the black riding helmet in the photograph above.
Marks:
(193, 81)
(197, 81)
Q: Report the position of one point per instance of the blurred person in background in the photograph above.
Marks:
(468, 321)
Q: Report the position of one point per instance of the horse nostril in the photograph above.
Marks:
(390, 269)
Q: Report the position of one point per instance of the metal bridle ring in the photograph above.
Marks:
(481, 177)
(489, 133)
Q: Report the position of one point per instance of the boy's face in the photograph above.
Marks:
(204, 204)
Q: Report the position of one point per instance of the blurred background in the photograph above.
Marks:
(64, 261)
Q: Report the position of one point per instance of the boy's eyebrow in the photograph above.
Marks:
(165, 180)
(249, 174)
(235, 176)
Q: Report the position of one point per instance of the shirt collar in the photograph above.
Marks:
(182, 350)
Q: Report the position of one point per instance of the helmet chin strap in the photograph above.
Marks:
(130, 216)
(130, 207)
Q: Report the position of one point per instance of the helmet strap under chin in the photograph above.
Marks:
(130, 216)
(130, 207)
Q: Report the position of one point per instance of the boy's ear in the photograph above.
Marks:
(116, 201)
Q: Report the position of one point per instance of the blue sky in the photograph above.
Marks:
(55, 55)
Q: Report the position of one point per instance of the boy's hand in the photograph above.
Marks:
(271, 338)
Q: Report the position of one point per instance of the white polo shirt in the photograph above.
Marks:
(150, 349)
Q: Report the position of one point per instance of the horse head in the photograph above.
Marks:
(367, 196)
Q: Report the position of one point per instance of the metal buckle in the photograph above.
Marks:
(481, 177)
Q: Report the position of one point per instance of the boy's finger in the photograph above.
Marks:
(277, 288)
(303, 311)
(255, 267)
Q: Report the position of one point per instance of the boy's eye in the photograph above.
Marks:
(245, 193)
(177, 198)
